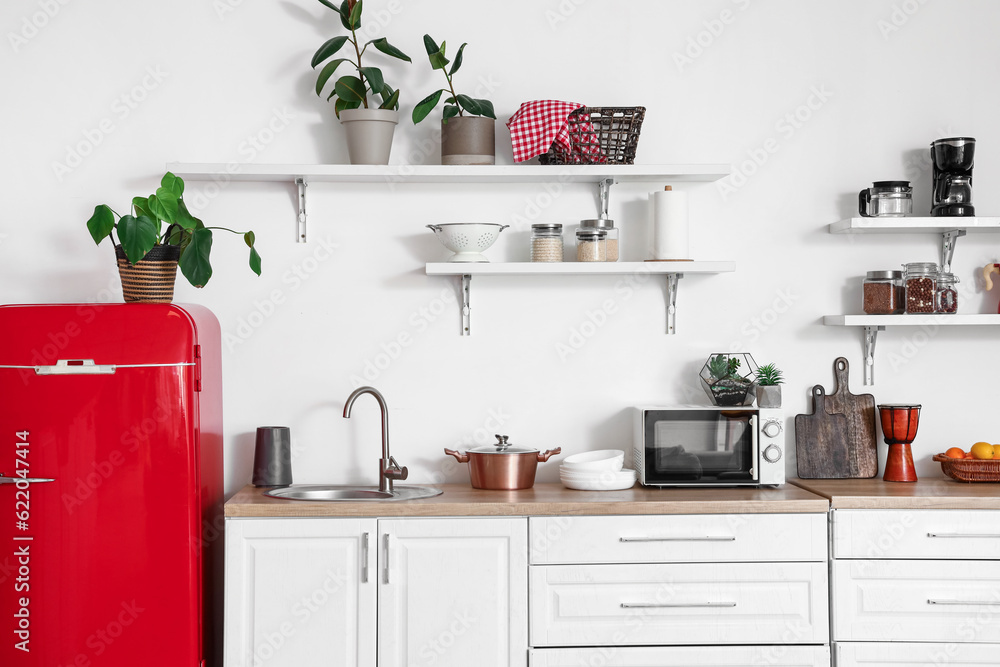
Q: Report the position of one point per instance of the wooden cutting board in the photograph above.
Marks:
(859, 409)
(821, 441)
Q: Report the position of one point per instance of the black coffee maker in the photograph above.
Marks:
(953, 160)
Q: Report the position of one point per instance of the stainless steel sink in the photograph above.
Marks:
(329, 493)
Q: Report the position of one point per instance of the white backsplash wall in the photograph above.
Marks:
(809, 101)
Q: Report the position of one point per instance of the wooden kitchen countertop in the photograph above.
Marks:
(545, 499)
(930, 493)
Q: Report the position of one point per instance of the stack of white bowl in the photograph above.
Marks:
(596, 471)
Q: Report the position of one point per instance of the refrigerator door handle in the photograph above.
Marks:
(26, 480)
(76, 367)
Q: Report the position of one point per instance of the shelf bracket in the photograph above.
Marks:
(300, 223)
(948, 241)
(604, 192)
(672, 279)
(871, 337)
(466, 307)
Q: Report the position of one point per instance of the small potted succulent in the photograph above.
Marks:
(726, 378)
(369, 130)
(467, 124)
(149, 252)
(768, 390)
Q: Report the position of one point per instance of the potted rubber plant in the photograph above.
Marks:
(157, 235)
(369, 128)
(467, 124)
(726, 378)
(768, 390)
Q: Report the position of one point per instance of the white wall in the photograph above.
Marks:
(229, 70)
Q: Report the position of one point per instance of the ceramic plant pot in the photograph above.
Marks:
(769, 396)
(369, 134)
(152, 278)
(468, 140)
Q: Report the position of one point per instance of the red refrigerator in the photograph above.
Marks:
(110, 485)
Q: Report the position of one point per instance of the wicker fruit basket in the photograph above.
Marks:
(970, 470)
(599, 135)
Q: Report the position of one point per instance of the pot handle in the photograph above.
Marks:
(544, 456)
(461, 458)
(864, 199)
(434, 228)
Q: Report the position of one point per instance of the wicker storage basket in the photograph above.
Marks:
(599, 135)
(152, 278)
(970, 470)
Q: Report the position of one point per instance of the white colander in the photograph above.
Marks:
(467, 239)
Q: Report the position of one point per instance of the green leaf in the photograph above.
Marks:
(163, 208)
(101, 223)
(438, 60)
(458, 61)
(326, 73)
(388, 92)
(342, 104)
(350, 88)
(355, 17)
(487, 109)
(330, 5)
(195, 264)
(329, 47)
(254, 257)
(470, 105)
(385, 47)
(430, 45)
(450, 111)
(345, 13)
(138, 236)
(172, 184)
(390, 102)
(185, 219)
(374, 76)
(141, 206)
(426, 105)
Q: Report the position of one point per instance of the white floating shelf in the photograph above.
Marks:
(348, 173)
(913, 225)
(674, 271)
(574, 268)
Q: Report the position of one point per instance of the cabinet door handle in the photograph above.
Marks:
(707, 538)
(975, 603)
(994, 536)
(385, 567)
(678, 605)
(364, 558)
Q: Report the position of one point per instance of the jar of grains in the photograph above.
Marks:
(591, 245)
(884, 293)
(946, 294)
(921, 286)
(546, 242)
(611, 240)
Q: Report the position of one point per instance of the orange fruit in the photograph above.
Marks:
(955, 453)
(996, 451)
(982, 451)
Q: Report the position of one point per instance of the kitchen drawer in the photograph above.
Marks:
(678, 604)
(916, 600)
(932, 534)
(702, 656)
(897, 654)
(681, 538)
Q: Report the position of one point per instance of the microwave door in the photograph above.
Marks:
(754, 447)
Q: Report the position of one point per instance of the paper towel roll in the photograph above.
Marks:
(670, 225)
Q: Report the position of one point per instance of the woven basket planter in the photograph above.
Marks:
(152, 278)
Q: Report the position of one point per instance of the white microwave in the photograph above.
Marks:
(709, 446)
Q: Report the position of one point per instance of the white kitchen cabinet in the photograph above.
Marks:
(920, 534)
(899, 654)
(300, 592)
(702, 656)
(312, 592)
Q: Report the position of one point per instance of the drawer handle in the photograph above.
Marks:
(996, 536)
(975, 603)
(657, 605)
(707, 538)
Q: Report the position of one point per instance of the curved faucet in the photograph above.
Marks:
(388, 469)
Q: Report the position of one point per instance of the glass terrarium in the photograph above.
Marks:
(728, 378)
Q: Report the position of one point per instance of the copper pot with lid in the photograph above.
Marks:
(503, 466)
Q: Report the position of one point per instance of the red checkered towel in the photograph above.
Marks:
(536, 125)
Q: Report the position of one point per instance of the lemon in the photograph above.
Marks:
(996, 451)
(982, 450)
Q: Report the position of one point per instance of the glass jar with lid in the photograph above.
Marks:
(611, 235)
(591, 245)
(946, 294)
(921, 286)
(884, 293)
(547, 242)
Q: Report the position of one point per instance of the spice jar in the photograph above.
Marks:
(591, 245)
(884, 293)
(946, 294)
(921, 286)
(546, 242)
(611, 239)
